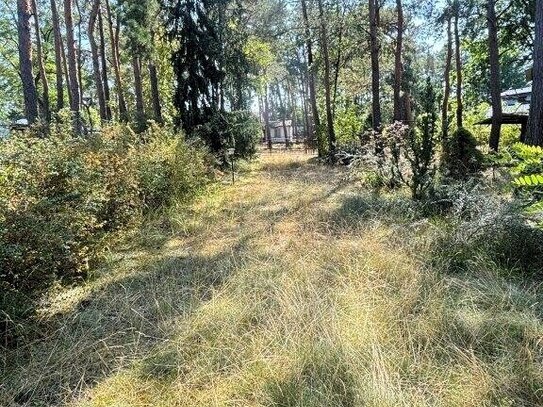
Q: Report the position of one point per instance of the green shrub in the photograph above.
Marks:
(49, 210)
(169, 168)
(61, 197)
(231, 129)
(406, 153)
(350, 123)
(461, 157)
(527, 171)
(246, 131)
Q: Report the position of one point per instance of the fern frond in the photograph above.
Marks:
(535, 209)
(533, 180)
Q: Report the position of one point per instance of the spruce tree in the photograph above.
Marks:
(197, 61)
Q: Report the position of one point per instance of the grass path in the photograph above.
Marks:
(273, 293)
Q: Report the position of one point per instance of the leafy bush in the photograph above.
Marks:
(61, 197)
(351, 121)
(527, 170)
(231, 129)
(404, 154)
(412, 154)
(461, 158)
(169, 168)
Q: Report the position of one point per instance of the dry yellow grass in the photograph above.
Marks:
(267, 293)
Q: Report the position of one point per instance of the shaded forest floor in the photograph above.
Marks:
(291, 288)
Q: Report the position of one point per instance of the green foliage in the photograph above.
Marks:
(509, 134)
(231, 129)
(61, 197)
(139, 18)
(412, 149)
(350, 123)
(527, 171)
(461, 158)
(196, 26)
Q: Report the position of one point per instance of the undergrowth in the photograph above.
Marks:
(260, 295)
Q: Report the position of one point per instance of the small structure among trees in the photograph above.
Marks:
(515, 109)
(277, 130)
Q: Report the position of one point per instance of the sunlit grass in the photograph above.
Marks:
(284, 289)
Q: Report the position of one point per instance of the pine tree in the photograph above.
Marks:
(24, 11)
(196, 62)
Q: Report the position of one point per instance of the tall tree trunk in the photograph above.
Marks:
(66, 74)
(535, 122)
(30, 94)
(58, 55)
(138, 90)
(267, 119)
(375, 79)
(79, 50)
(305, 109)
(283, 115)
(304, 92)
(123, 113)
(337, 64)
(327, 81)
(155, 93)
(398, 68)
(293, 105)
(72, 65)
(459, 105)
(312, 73)
(105, 80)
(43, 76)
(495, 78)
(447, 91)
(96, 60)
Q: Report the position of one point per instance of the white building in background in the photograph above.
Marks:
(515, 109)
(277, 132)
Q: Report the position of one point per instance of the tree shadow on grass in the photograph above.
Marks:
(361, 208)
(113, 326)
(493, 290)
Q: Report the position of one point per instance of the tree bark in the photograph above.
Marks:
(58, 55)
(327, 81)
(375, 79)
(398, 67)
(267, 119)
(46, 110)
(75, 102)
(283, 115)
(123, 114)
(138, 90)
(459, 105)
(337, 64)
(103, 56)
(495, 76)
(25, 60)
(66, 74)
(96, 60)
(155, 93)
(305, 108)
(312, 68)
(293, 105)
(447, 91)
(535, 121)
(79, 50)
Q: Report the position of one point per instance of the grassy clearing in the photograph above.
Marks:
(291, 288)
